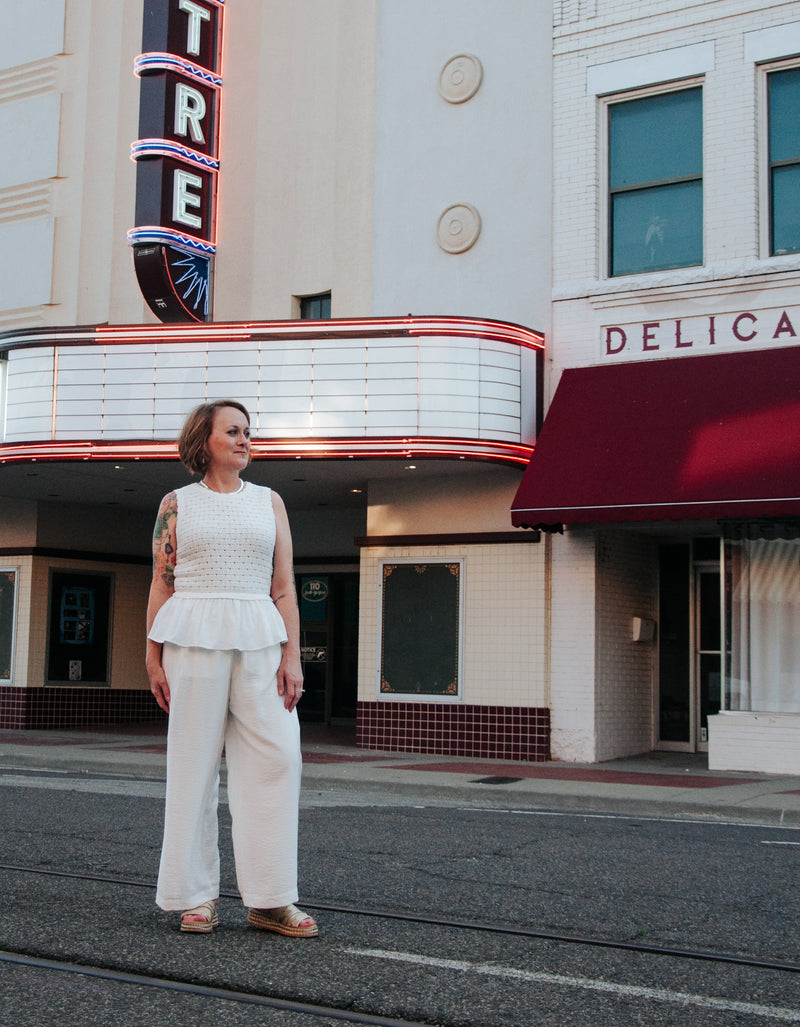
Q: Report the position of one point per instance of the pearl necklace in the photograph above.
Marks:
(208, 487)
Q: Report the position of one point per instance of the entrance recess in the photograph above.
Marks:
(328, 646)
(690, 643)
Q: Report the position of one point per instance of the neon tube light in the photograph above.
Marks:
(166, 148)
(278, 449)
(171, 62)
(355, 328)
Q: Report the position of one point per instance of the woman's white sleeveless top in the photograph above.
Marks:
(223, 572)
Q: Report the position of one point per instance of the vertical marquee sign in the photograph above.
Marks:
(177, 156)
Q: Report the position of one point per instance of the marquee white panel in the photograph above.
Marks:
(429, 386)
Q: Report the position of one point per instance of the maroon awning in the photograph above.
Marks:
(688, 438)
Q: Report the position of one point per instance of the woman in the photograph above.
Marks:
(223, 658)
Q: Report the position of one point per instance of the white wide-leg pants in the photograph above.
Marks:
(229, 698)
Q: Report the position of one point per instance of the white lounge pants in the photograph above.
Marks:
(229, 698)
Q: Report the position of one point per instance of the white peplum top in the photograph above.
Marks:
(223, 572)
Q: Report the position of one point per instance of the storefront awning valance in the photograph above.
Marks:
(683, 439)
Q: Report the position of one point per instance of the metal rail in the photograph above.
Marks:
(207, 991)
(470, 925)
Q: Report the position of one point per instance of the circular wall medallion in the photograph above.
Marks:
(460, 78)
(458, 228)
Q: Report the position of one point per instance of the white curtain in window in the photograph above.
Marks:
(765, 625)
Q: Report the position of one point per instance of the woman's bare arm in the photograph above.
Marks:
(161, 588)
(284, 595)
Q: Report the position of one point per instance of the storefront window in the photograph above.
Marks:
(763, 625)
(8, 585)
(79, 628)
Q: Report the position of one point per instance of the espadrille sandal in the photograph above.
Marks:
(210, 918)
(288, 920)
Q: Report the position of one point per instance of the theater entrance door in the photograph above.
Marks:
(329, 646)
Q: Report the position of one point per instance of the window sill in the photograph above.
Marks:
(608, 289)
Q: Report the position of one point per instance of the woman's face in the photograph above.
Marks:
(228, 445)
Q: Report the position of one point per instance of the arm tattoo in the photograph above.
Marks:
(163, 541)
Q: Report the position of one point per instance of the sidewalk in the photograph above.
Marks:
(653, 784)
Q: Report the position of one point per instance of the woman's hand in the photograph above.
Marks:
(159, 685)
(290, 677)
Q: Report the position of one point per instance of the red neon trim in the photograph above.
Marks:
(350, 327)
(174, 237)
(217, 136)
(167, 61)
(279, 449)
(224, 331)
(167, 147)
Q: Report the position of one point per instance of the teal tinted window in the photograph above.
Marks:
(657, 138)
(656, 184)
(316, 308)
(657, 228)
(784, 160)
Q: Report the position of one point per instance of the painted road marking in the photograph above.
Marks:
(586, 983)
(691, 819)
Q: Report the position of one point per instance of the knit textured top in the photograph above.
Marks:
(223, 572)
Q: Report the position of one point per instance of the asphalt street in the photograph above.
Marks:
(386, 867)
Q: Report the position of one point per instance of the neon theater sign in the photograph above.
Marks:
(177, 157)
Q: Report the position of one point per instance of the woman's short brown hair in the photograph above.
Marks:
(197, 430)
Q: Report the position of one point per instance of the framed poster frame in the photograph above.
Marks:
(420, 628)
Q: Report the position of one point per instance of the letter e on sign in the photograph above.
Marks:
(183, 198)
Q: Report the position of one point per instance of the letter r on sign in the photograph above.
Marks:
(190, 109)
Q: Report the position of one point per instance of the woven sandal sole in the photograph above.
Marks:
(199, 926)
(266, 923)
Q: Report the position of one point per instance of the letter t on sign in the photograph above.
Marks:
(197, 15)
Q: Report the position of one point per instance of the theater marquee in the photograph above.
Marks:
(177, 157)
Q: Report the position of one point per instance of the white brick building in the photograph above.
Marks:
(625, 74)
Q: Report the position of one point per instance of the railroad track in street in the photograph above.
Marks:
(116, 972)
(469, 925)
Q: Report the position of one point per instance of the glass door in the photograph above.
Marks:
(674, 648)
(708, 648)
(329, 645)
(690, 643)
